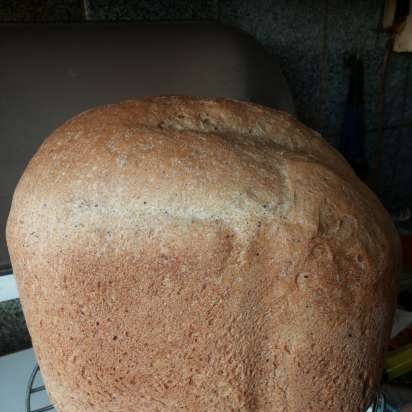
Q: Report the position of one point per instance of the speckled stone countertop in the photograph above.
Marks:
(14, 335)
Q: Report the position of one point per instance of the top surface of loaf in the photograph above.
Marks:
(198, 158)
(193, 158)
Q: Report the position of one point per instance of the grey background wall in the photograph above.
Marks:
(312, 39)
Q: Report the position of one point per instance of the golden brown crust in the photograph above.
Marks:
(180, 254)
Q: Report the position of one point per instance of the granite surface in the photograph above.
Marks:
(403, 167)
(13, 330)
(292, 31)
(395, 170)
(150, 10)
(41, 10)
(352, 29)
(312, 39)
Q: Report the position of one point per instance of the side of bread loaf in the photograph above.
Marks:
(180, 254)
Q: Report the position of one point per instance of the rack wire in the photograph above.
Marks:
(31, 389)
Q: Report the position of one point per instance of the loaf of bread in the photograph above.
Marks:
(179, 254)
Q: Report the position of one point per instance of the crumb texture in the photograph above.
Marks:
(180, 254)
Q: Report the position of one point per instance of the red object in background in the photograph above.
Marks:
(406, 241)
(401, 339)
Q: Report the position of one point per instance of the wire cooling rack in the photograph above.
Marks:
(32, 389)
